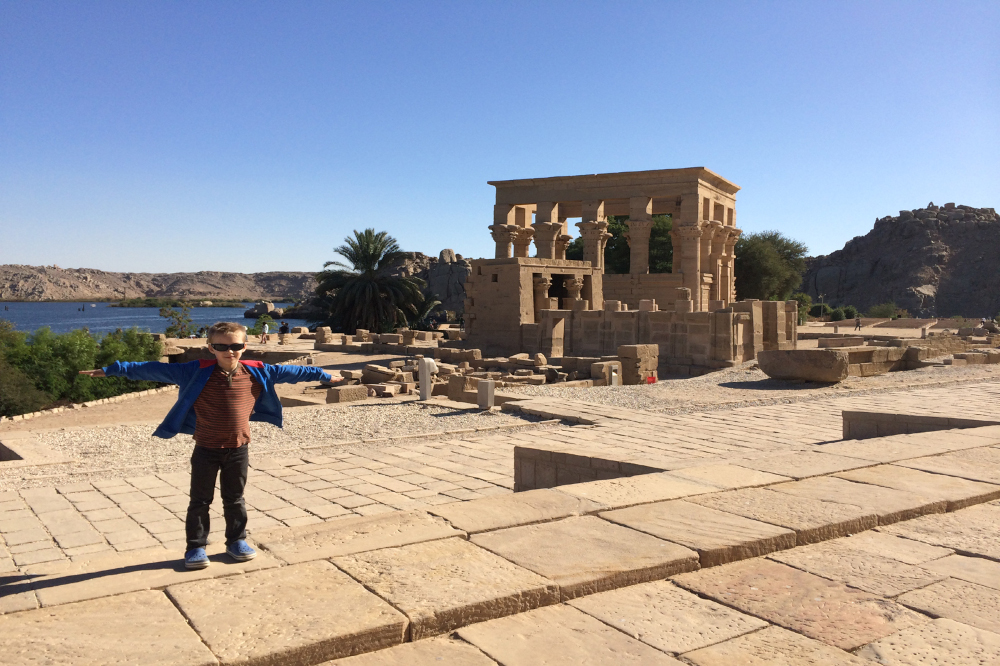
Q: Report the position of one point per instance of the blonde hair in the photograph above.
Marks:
(224, 328)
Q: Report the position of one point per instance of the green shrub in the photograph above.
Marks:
(805, 302)
(258, 326)
(181, 325)
(850, 312)
(769, 266)
(820, 310)
(837, 314)
(18, 394)
(882, 311)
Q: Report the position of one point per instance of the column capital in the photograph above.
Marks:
(503, 235)
(521, 239)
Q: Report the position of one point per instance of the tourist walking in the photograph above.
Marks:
(216, 402)
(282, 332)
(857, 322)
(264, 329)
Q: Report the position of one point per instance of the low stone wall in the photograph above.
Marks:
(541, 468)
(866, 425)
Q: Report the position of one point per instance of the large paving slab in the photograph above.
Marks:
(137, 628)
(299, 614)
(585, 554)
(897, 548)
(803, 464)
(717, 536)
(445, 584)
(773, 646)
(972, 530)
(667, 617)
(864, 570)
(440, 651)
(632, 490)
(560, 636)
(941, 643)
(107, 573)
(958, 493)
(881, 449)
(354, 535)
(16, 593)
(982, 464)
(812, 520)
(972, 569)
(889, 504)
(532, 506)
(968, 603)
(818, 608)
(728, 477)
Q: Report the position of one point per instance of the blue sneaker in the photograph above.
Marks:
(195, 559)
(240, 551)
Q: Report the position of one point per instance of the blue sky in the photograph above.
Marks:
(249, 136)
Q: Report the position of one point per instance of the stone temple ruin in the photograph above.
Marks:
(561, 308)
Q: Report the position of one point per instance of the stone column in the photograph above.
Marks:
(503, 234)
(541, 286)
(717, 235)
(730, 259)
(691, 251)
(546, 234)
(595, 237)
(562, 244)
(640, 223)
(574, 286)
(521, 238)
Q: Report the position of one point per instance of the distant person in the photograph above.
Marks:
(282, 332)
(216, 402)
(857, 322)
(263, 333)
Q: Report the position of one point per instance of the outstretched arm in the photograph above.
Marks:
(291, 374)
(94, 373)
(165, 373)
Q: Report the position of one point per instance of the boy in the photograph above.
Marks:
(216, 402)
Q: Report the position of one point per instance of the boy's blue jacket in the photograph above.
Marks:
(191, 378)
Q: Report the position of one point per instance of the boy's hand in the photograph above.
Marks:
(93, 373)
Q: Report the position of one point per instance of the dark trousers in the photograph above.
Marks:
(231, 467)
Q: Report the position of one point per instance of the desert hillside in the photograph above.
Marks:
(933, 261)
(51, 283)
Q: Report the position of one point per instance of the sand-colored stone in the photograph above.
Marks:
(812, 520)
(880, 449)
(982, 464)
(632, 490)
(971, 569)
(941, 643)
(898, 548)
(493, 513)
(667, 617)
(584, 555)
(136, 628)
(354, 535)
(889, 504)
(445, 584)
(972, 530)
(719, 537)
(773, 646)
(728, 477)
(16, 593)
(825, 610)
(959, 600)
(299, 614)
(957, 492)
(865, 571)
(107, 573)
(440, 651)
(804, 464)
(560, 636)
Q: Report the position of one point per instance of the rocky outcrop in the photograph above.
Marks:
(445, 275)
(51, 283)
(933, 261)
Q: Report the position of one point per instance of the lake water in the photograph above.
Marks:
(65, 317)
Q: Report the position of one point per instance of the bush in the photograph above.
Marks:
(882, 311)
(805, 302)
(258, 327)
(180, 321)
(819, 310)
(850, 312)
(769, 266)
(18, 394)
(837, 314)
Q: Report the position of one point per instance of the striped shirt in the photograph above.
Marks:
(223, 409)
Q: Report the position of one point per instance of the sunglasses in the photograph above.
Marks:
(236, 346)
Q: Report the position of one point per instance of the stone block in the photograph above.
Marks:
(942, 642)
(459, 384)
(533, 506)
(346, 393)
(137, 628)
(286, 616)
(584, 555)
(804, 464)
(346, 536)
(641, 489)
(982, 464)
(889, 504)
(971, 530)
(959, 600)
(446, 584)
(728, 477)
(811, 519)
(440, 651)
(667, 617)
(811, 365)
(827, 611)
(718, 537)
(958, 493)
(773, 646)
(386, 390)
(972, 569)
(887, 545)
(560, 636)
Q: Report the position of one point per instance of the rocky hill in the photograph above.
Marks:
(933, 261)
(51, 283)
(444, 275)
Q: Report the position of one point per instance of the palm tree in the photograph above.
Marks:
(421, 319)
(361, 292)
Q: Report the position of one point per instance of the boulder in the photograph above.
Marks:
(812, 365)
